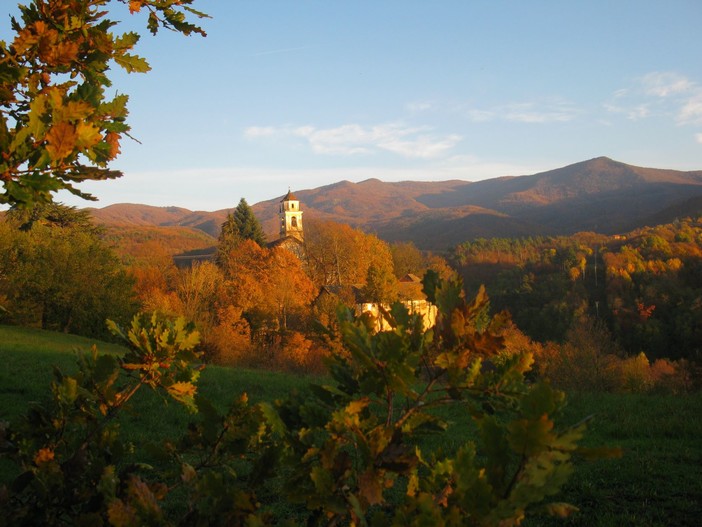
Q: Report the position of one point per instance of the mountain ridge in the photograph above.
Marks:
(599, 194)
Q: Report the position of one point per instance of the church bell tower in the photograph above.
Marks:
(290, 217)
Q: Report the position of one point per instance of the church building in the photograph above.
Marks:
(292, 236)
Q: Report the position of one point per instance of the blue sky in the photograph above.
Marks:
(301, 94)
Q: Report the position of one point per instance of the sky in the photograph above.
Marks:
(300, 94)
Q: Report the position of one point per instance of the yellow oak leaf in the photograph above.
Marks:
(180, 390)
(88, 135)
(76, 111)
(61, 141)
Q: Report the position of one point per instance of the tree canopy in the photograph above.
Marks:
(58, 126)
(57, 273)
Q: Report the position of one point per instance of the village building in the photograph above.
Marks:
(410, 295)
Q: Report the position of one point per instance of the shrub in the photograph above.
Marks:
(672, 376)
(636, 374)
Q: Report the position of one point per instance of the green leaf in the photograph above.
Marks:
(529, 437)
(68, 390)
(126, 41)
(541, 399)
(106, 369)
(273, 418)
(132, 63)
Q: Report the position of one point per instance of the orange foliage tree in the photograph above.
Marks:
(338, 254)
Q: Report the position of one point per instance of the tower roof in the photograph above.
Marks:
(289, 197)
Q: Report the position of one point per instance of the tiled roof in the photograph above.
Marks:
(289, 197)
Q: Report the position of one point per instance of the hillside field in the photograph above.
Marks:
(658, 481)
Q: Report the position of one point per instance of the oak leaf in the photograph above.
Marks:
(87, 135)
(61, 141)
(370, 487)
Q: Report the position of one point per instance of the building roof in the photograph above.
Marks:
(356, 291)
(289, 197)
(285, 241)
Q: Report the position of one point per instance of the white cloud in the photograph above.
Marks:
(260, 131)
(659, 94)
(691, 110)
(666, 83)
(698, 138)
(537, 113)
(633, 113)
(423, 147)
(480, 116)
(526, 112)
(355, 139)
(420, 106)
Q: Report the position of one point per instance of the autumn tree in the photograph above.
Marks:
(58, 126)
(381, 284)
(290, 291)
(406, 258)
(245, 274)
(338, 254)
(267, 284)
(198, 288)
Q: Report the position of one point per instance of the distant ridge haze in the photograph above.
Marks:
(599, 195)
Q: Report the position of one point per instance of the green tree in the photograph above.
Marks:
(241, 224)
(61, 276)
(57, 125)
(53, 215)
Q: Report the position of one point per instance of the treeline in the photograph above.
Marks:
(588, 300)
(645, 287)
(254, 305)
(57, 273)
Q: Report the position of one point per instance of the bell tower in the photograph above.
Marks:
(290, 217)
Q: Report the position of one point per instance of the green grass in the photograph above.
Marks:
(27, 356)
(658, 481)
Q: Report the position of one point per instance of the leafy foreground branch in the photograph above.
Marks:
(58, 125)
(351, 452)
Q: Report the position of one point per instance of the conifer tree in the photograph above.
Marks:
(241, 224)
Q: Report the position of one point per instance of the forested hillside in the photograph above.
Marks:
(645, 285)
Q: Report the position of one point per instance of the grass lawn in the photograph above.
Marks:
(658, 481)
